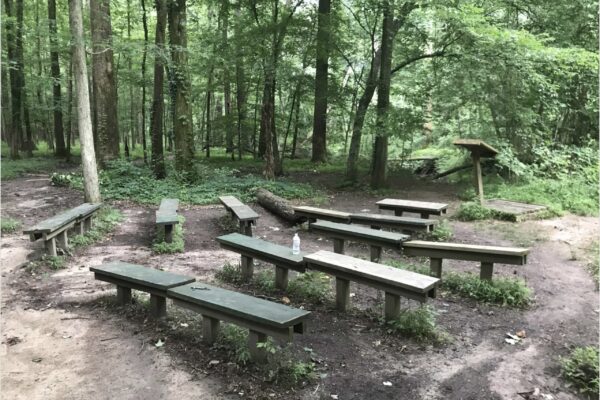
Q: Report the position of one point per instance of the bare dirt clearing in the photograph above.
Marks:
(63, 339)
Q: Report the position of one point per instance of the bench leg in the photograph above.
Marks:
(63, 240)
(281, 277)
(158, 306)
(392, 306)
(258, 354)
(123, 295)
(87, 223)
(398, 213)
(342, 293)
(487, 269)
(246, 228)
(376, 227)
(79, 228)
(210, 329)
(424, 216)
(338, 246)
(50, 245)
(375, 253)
(169, 233)
(435, 267)
(247, 267)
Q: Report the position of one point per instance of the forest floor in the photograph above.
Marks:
(62, 339)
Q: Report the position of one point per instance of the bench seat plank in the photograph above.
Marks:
(322, 213)
(167, 212)
(359, 233)
(262, 250)
(244, 213)
(392, 221)
(467, 252)
(413, 206)
(230, 201)
(238, 304)
(56, 222)
(141, 276)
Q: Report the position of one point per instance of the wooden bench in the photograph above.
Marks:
(405, 224)
(251, 248)
(243, 213)
(166, 216)
(395, 282)
(487, 255)
(131, 276)
(376, 239)
(313, 213)
(420, 207)
(263, 318)
(55, 228)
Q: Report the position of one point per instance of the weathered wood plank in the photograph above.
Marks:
(322, 213)
(167, 212)
(140, 275)
(392, 221)
(412, 206)
(230, 201)
(467, 248)
(58, 221)
(359, 234)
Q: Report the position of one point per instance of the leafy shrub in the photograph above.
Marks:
(472, 211)
(230, 273)
(417, 323)
(510, 292)
(105, 222)
(9, 225)
(441, 232)
(176, 246)
(234, 340)
(313, 287)
(581, 370)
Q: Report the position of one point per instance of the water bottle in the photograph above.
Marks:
(296, 244)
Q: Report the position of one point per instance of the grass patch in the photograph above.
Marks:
(311, 287)
(176, 246)
(441, 233)
(230, 273)
(46, 262)
(471, 211)
(419, 324)
(581, 370)
(510, 292)
(228, 224)
(14, 168)
(105, 222)
(9, 225)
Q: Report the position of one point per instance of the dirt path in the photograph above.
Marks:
(60, 340)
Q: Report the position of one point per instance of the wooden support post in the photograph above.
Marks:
(375, 253)
(248, 229)
(392, 306)
(398, 213)
(79, 228)
(50, 245)
(281, 277)
(425, 215)
(210, 329)
(247, 266)
(258, 354)
(342, 293)
(123, 295)
(338, 246)
(169, 233)
(158, 306)
(63, 240)
(487, 269)
(435, 266)
(87, 223)
(477, 176)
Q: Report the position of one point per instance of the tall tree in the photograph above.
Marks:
(380, 151)
(15, 85)
(144, 56)
(182, 111)
(59, 137)
(156, 115)
(27, 143)
(226, 78)
(88, 155)
(240, 79)
(319, 138)
(104, 81)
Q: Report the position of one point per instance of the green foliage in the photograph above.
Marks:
(230, 273)
(54, 262)
(159, 246)
(511, 292)
(472, 211)
(14, 168)
(9, 225)
(594, 260)
(106, 220)
(264, 280)
(234, 340)
(441, 232)
(417, 323)
(313, 287)
(228, 224)
(581, 370)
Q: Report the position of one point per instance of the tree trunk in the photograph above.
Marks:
(240, 79)
(319, 138)
(15, 86)
(104, 82)
(59, 137)
(229, 147)
(156, 116)
(88, 156)
(6, 110)
(131, 132)
(182, 115)
(296, 125)
(70, 137)
(144, 56)
(277, 205)
(27, 142)
(380, 151)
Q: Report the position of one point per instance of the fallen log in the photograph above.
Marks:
(277, 205)
(452, 170)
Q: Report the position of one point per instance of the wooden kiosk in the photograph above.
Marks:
(479, 149)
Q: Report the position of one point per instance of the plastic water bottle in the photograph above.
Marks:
(296, 244)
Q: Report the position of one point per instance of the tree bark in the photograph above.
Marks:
(15, 85)
(241, 94)
(59, 137)
(229, 147)
(27, 142)
(156, 116)
(88, 156)
(277, 205)
(319, 138)
(144, 56)
(104, 82)
(182, 115)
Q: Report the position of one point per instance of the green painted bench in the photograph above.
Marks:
(55, 228)
(393, 281)
(313, 213)
(263, 318)
(419, 207)
(486, 255)
(131, 276)
(166, 216)
(251, 248)
(245, 215)
(376, 239)
(405, 224)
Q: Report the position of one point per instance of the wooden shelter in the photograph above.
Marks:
(479, 149)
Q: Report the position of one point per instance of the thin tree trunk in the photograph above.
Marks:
(70, 136)
(6, 110)
(144, 55)
(319, 137)
(88, 156)
(15, 85)
(156, 115)
(296, 123)
(56, 90)
(131, 102)
(240, 79)
(27, 143)
(229, 147)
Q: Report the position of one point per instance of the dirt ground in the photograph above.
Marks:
(63, 338)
